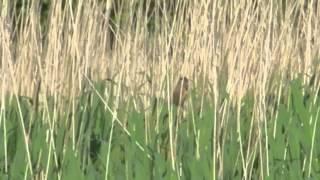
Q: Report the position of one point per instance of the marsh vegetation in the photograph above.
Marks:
(87, 86)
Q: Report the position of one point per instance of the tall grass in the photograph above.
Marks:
(86, 86)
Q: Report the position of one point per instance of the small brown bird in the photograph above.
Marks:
(180, 91)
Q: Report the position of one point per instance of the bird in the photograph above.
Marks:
(178, 97)
(180, 92)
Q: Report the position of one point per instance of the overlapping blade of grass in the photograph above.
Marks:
(182, 37)
(71, 168)
(16, 138)
(292, 146)
(204, 139)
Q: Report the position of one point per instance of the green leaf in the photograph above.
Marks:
(136, 126)
(19, 164)
(298, 104)
(71, 166)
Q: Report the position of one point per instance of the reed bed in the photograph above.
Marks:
(86, 89)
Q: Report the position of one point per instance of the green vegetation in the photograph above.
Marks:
(86, 89)
(124, 143)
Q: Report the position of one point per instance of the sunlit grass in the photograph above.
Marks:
(86, 90)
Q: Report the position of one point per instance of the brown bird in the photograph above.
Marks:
(180, 91)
